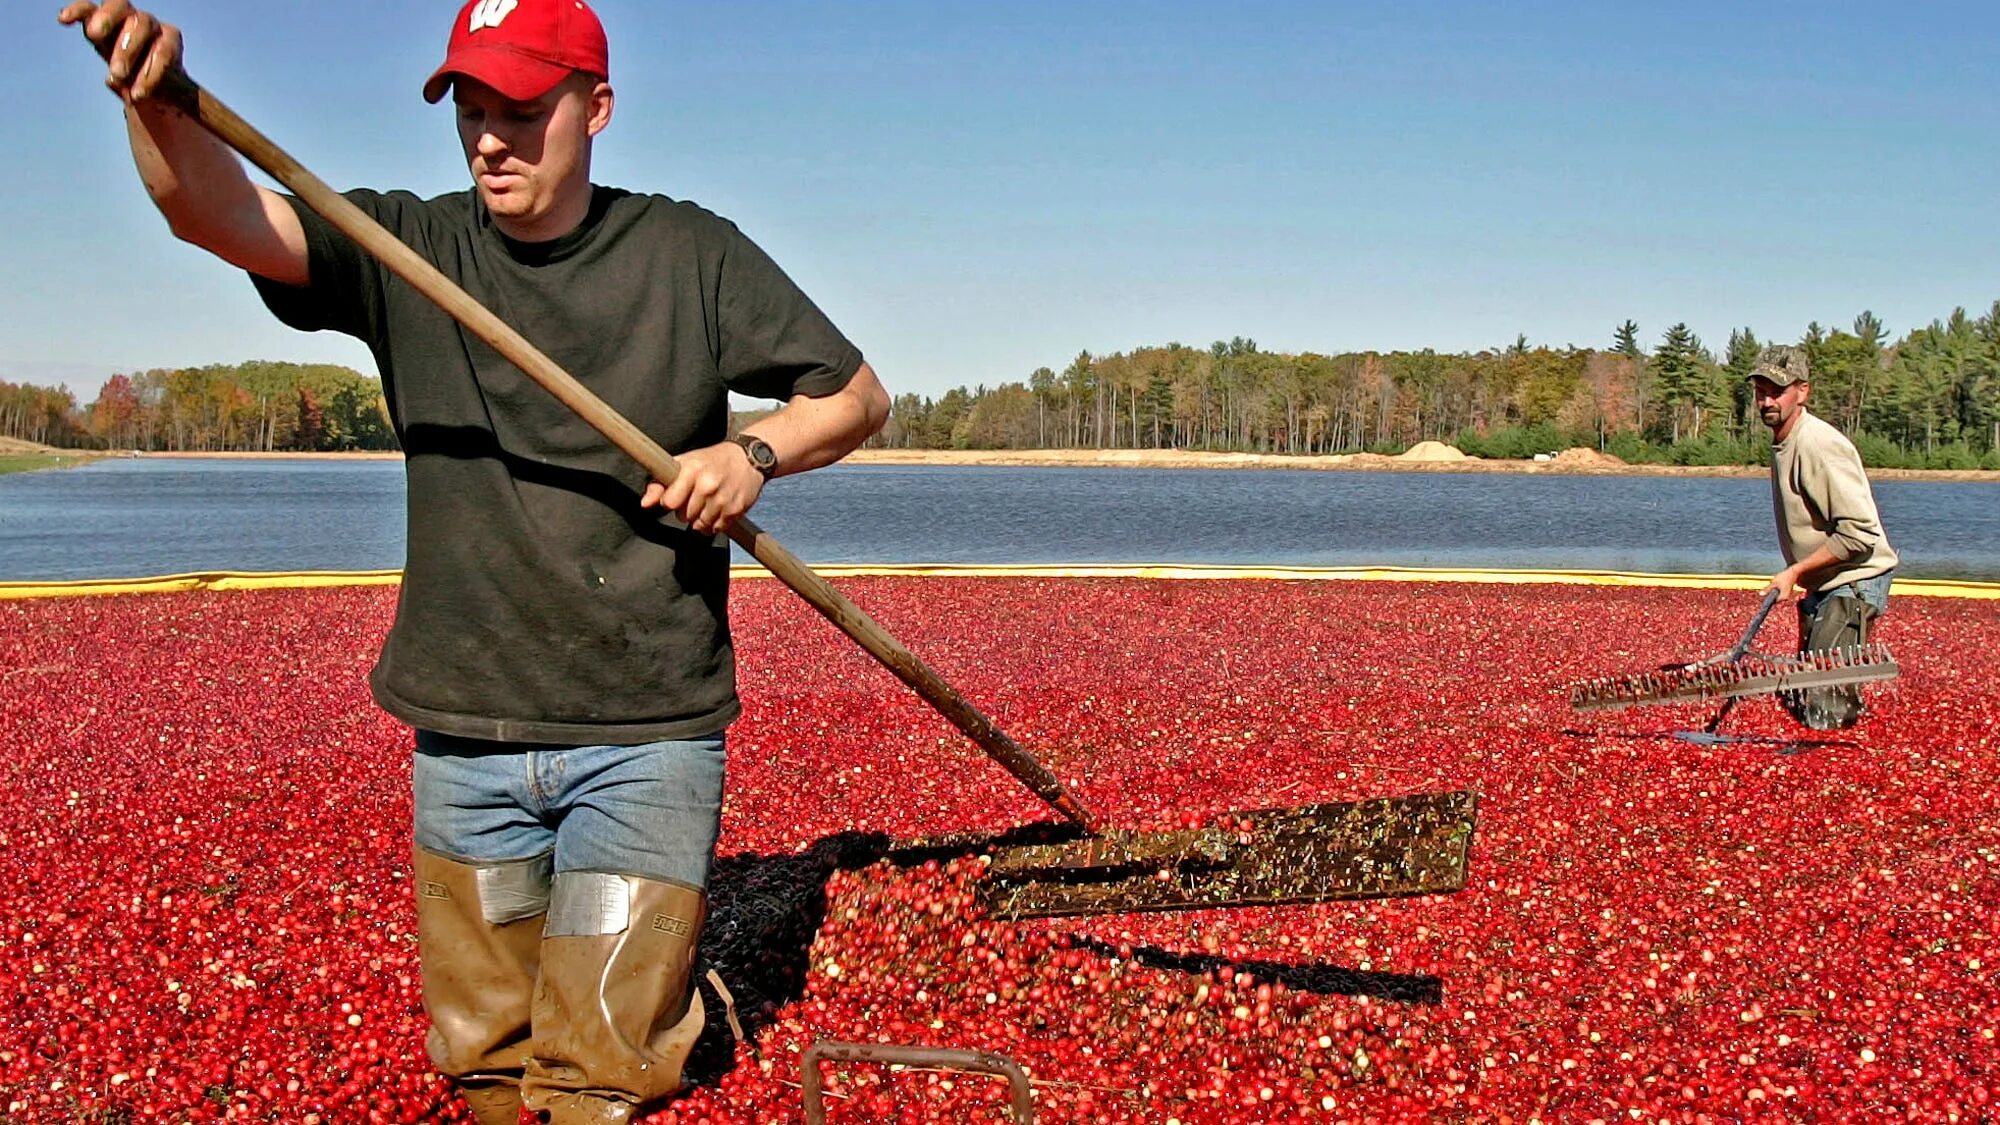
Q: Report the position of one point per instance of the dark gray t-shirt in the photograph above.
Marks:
(540, 603)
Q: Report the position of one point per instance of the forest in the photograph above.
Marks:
(1930, 399)
(260, 407)
(1927, 399)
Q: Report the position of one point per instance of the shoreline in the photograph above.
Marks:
(38, 462)
(1194, 459)
(242, 455)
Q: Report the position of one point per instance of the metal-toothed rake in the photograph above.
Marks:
(1738, 674)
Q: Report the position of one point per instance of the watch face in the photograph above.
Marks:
(761, 453)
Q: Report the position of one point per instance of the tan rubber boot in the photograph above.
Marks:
(479, 935)
(495, 1104)
(616, 1010)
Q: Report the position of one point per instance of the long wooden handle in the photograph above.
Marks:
(407, 264)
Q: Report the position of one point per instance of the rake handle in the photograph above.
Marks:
(187, 95)
(1756, 623)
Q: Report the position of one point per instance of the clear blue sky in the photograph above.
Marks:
(976, 190)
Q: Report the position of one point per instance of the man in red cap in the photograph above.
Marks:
(560, 645)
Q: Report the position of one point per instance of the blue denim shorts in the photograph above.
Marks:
(652, 810)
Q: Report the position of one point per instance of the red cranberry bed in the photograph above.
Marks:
(207, 914)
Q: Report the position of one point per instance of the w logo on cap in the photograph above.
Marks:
(521, 48)
(488, 13)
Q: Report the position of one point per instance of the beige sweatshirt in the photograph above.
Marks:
(1821, 496)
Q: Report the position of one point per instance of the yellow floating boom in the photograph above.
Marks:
(238, 580)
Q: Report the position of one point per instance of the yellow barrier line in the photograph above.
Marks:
(1918, 587)
(210, 580)
(233, 580)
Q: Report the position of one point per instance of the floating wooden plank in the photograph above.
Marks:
(1118, 852)
(1379, 848)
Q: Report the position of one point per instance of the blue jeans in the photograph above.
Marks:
(1874, 591)
(653, 810)
(1836, 619)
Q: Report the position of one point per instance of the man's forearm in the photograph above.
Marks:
(193, 178)
(207, 197)
(808, 433)
(173, 151)
(1821, 558)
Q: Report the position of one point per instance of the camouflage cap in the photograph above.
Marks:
(1782, 364)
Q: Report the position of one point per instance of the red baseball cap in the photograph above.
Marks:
(522, 48)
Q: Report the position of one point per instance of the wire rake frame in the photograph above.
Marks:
(1737, 674)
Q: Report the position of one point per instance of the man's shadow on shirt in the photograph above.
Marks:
(765, 910)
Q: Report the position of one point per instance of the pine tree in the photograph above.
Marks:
(1678, 374)
(1742, 356)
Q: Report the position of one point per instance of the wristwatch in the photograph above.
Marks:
(762, 457)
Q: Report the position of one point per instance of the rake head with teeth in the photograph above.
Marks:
(1738, 673)
(1750, 674)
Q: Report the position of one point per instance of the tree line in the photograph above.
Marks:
(256, 407)
(1929, 399)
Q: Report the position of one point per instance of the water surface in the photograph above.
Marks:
(148, 516)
